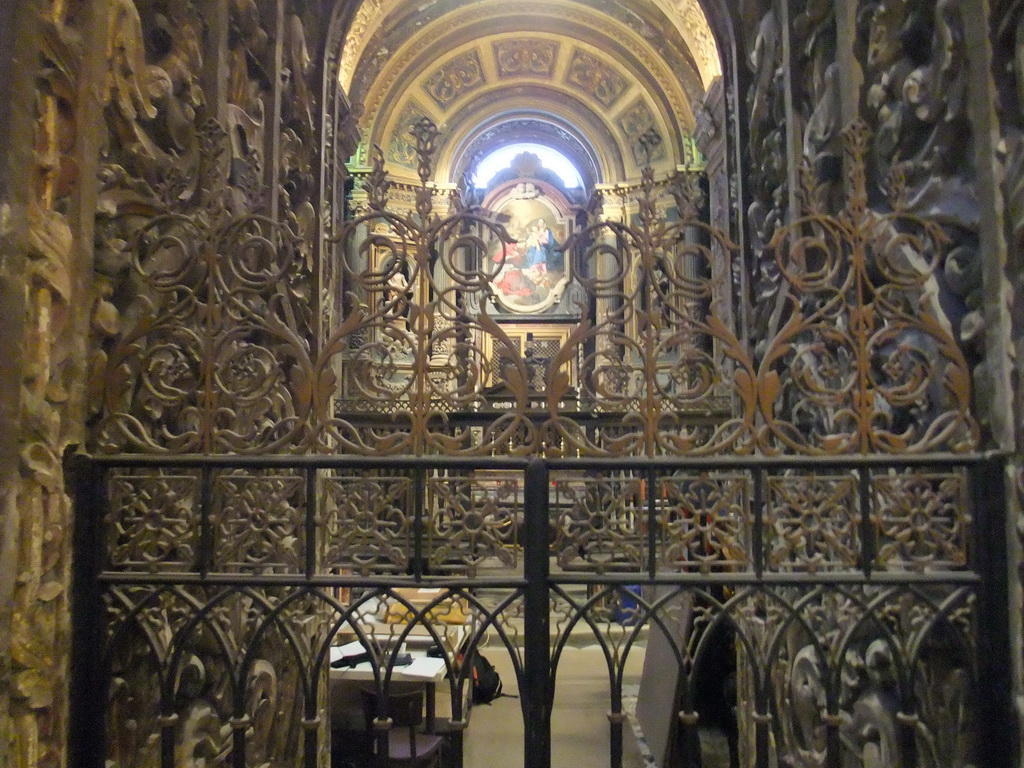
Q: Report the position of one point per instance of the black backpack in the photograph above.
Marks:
(486, 680)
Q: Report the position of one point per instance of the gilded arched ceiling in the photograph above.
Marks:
(608, 84)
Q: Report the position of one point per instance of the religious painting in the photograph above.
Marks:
(529, 275)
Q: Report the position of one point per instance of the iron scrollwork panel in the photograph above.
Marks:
(197, 674)
(812, 522)
(599, 524)
(854, 662)
(257, 522)
(655, 351)
(864, 671)
(221, 359)
(924, 520)
(213, 363)
(863, 362)
(474, 524)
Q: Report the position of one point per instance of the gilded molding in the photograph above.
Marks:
(695, 30)
(687, 15)
(369, 14)
(677, 100)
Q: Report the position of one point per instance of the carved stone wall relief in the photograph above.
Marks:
(1007, 35)
(765, 109)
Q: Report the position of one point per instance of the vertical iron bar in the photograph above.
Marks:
(456, 748)
(867, 530)
(419, 506)
(757, 535)
(906, 735)
(168, 732)
(761, 743)
(616, 718)
(311, 724)
(996, 721)
(652, 520)
(311, 522)
(206, 538)
(88, 685)
(537, 690)
(687, 747)
(762, 709)
(238, 745)
(311, 734)
(833, 740)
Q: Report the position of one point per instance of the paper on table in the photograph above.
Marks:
(348, 649)
(421, 668)
(426, 667)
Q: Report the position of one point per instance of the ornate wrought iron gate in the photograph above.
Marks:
(866, 596)
(818, 499)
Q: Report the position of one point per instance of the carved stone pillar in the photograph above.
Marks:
(47, 204)
(18, 38)
(1006, 238)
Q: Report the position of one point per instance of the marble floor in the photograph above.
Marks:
(579, 727)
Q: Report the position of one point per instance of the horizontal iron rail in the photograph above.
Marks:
(758, 465)
(778, 579)
(757, 462)
(308, 461)
(705, 463)
(298, 580)
(883, 578)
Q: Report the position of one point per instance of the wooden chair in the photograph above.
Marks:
(407, 746)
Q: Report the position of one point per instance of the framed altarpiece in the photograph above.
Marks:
(531, 280)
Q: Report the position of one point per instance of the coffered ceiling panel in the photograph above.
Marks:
(456, 77)
(525, 57)
(375, 19)
(596, 78)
